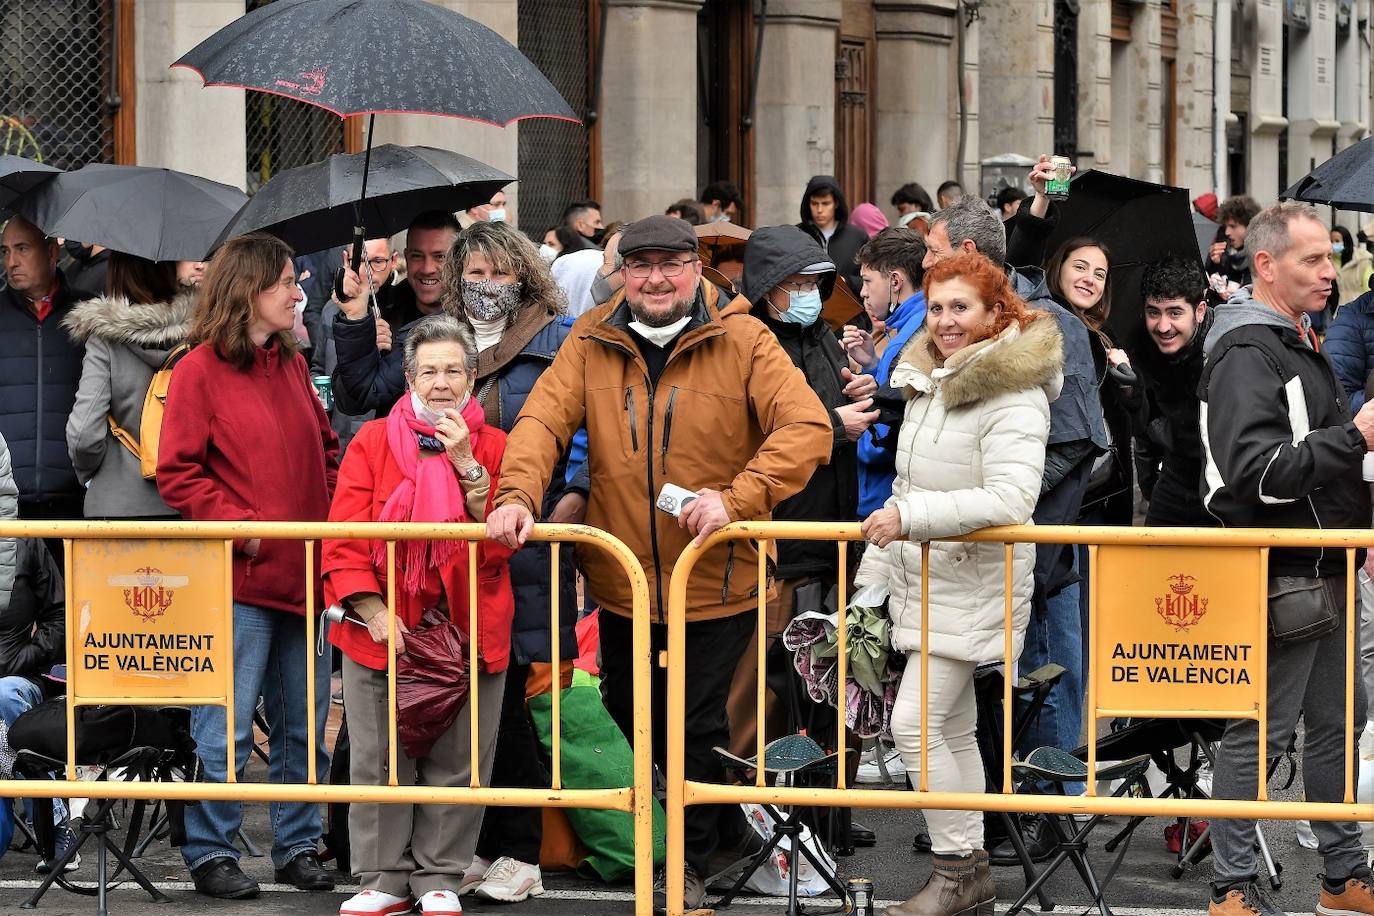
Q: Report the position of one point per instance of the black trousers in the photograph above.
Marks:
(714, 648)
(515, 832)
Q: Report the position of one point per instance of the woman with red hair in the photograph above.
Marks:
(970, 454)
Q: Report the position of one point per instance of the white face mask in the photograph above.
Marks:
(496, 215)
(547, 253)
(429, 417)
(660, 337)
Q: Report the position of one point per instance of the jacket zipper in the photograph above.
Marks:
(653, 506)
(667, 430)
(38, 420)
(634, 424)
(649, 464)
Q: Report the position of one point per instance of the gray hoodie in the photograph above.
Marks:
(1242, 309)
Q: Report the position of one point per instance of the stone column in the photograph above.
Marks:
(917, 119)
(1353, 100)
(648, 105)
(178, 123)
(1194, 74)
(1312, 120)
(1095, 85)
(1266, 120)
(794, 123)
(496, 146)
(1016, 77)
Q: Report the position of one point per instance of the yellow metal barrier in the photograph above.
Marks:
(204, 549)
(1248, 547)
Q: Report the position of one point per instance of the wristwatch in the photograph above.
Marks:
(473, 474)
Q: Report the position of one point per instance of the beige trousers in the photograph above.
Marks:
(414, 849)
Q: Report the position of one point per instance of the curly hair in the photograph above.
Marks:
(1239, 209)
(242, 269)
(991, 284)
(508, 249)
(1173, 278)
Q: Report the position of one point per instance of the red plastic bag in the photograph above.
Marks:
(431, 683)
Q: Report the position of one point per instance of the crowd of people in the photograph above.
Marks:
(484, 375)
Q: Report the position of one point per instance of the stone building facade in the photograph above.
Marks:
(767, 93)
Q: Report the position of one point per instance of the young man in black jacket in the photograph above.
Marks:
(1281, 451)
(825, 217)
(1167, 357)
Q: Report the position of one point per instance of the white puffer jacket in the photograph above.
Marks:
(970, 454)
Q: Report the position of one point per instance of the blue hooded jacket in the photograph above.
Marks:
(877, 465)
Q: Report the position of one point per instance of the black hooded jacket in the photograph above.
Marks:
(1168, 441)
(846, 241)
(772, 255)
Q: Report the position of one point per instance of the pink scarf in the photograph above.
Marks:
(430, 492)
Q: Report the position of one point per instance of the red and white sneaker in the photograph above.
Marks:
(441, 903)
(375, 903)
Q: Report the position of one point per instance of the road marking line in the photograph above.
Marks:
(623, 897)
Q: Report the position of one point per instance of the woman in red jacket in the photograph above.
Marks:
(245, 438)
(432, 459)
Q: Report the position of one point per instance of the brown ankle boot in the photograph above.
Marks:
(982, 876)
(954, 889)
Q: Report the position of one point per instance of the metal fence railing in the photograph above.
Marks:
(1146, 584)
(170, 586)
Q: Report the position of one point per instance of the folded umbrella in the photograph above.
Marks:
(1140, 222)
(158, 214)
(1345, 181)
(19, 176)
(312, 207)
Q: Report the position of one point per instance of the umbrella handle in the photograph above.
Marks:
(357, 248)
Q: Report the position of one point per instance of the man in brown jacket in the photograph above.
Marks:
(675, 383)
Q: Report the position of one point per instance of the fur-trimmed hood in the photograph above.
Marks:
(149, 326)
(1014, 360)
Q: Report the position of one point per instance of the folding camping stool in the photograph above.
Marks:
(786, 759)
(1050, 764)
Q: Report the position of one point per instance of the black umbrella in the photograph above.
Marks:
(19, 175)
(311, 208)
(1139, 222)
(356, 57)
(1345, 181)
(159, 214)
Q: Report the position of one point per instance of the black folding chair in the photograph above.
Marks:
(787, 759)
(1059, 768)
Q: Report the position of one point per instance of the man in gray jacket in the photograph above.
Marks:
(1282, 451)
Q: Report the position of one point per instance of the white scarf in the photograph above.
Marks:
(488, 332)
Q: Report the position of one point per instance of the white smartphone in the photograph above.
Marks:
(673, 499)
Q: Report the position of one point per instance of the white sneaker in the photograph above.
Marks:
(375, 903)
(473, 875)
(511, 881)
(441, 903)
(882, 770)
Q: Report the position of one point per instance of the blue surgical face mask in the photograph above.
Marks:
(1338, 248)
(496, 215)
(804, 309)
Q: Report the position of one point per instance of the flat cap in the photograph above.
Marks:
(657, 233)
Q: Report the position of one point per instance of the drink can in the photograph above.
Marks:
(324, 388)
(1057, 188)
(861, 899)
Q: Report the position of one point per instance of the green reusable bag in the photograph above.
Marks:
(596, 755)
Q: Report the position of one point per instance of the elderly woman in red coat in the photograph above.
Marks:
(432, 459)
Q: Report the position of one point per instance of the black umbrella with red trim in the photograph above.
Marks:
(356, 57)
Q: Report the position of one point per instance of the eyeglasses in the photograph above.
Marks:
(642, 270)
(801, 286)
(378, 264)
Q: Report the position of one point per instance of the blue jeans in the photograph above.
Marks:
(1057, 636)
(17, 696)
(270, 661)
